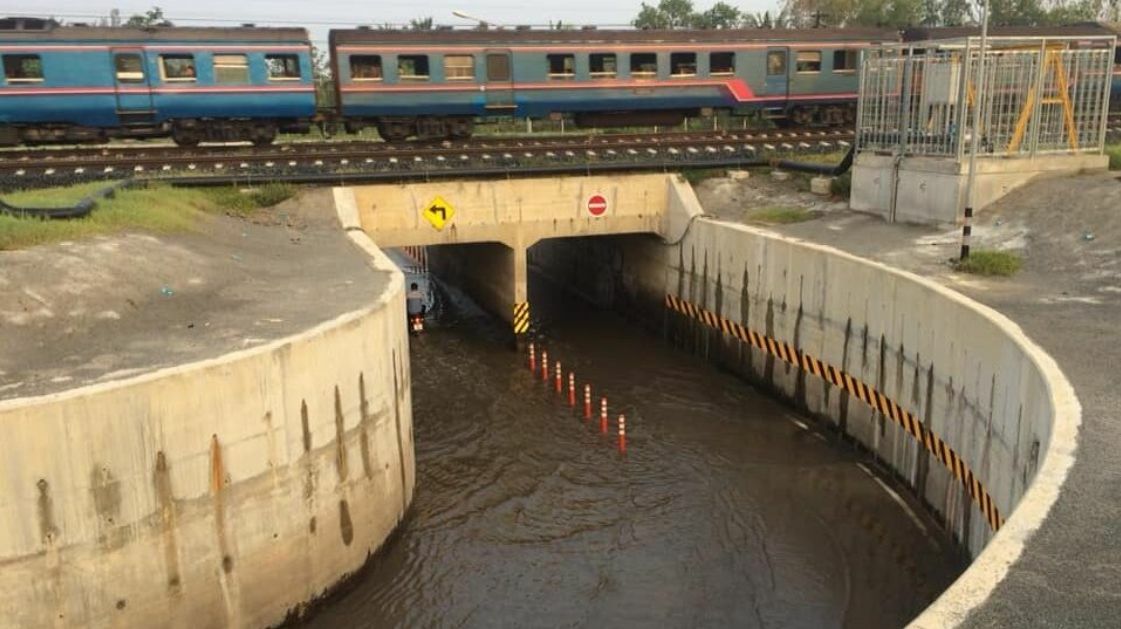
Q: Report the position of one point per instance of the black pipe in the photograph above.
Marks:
(78, 210)
(819, 169)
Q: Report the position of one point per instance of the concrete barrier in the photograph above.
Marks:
(224, 493)
(958, 393)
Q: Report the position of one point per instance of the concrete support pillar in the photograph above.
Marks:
(493, 274)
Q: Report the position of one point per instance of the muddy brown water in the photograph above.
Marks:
(728, 509)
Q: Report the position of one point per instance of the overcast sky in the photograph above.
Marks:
(320, 16)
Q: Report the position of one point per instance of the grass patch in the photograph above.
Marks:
(780, 215)
(990, 262)
(1114, 153)
(54, 197)
(156, 209)
(241, 202)
(842, 185)
(696, 175)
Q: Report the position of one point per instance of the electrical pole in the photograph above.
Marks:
(975, 138)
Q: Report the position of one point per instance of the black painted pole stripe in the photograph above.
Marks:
(874, 398)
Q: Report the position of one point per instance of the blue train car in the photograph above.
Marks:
(436, 83)
(77, 83)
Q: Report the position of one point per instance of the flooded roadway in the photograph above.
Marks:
(728, 510)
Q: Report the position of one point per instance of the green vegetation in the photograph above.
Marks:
(842, 185)
(237, 201)
(156, 209)
(55, 197)
(990, 262)
(696, 175)
(1114, 153)
(780, 215)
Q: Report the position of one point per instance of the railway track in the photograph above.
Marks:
(319, 160)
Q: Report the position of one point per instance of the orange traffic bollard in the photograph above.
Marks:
(603, 415)
(587, 401)
(545, 365)
(571, 389)
(532, 359)
(622, 434)
(558, 378)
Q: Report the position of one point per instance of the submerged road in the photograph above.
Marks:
(728, 510)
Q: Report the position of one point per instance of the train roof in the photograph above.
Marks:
(498, 37)
(42, 31)
(1087, 29)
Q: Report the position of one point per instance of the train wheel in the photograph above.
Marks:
(183, 137)
(395, 131)
(802, 116)
(460, 128)
(263, 135)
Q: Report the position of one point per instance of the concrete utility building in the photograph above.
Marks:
(1043, 111)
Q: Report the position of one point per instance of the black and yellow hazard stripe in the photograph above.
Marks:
(521, 317)
(861, 390)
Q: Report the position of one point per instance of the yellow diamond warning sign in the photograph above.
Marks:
(438, 212)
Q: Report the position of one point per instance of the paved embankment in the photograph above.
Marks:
(227, 490)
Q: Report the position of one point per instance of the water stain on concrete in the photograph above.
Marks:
(881, 383)
(800, 374)
(843, 403)
(218, 497)
(346, 526)
(309, 464)
(48, 531)
(340, 438)
(161, 480)
(106, 491)
(364, 426)
(769, 329)
(746, 357)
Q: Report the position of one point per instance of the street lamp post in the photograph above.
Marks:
(975, 138)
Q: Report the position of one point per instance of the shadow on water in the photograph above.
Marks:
(724, 511)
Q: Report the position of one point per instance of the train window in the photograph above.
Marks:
(23, 68)
(412, 67)
(845, 60)
(365, 68)
(562, 66)
(283, 67)
(602, 65)
(683, 64)
(808, 61)
(459, 67)
(721, 63)
(776, 63)
(231, 69)
(644, 65)
(129, 68)
(498, 67)
(178, 67)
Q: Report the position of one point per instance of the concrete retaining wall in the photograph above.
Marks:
(932, 190)
(967, 373)
(224, 493)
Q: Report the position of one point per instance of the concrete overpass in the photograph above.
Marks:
(485, 228)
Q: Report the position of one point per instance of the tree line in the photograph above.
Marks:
(674, 14)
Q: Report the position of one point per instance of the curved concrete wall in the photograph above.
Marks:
(967, 373)
(224, 493)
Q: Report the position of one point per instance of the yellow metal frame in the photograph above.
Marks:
(1062, 97)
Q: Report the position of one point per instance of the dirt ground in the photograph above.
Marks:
(75, 313)
(1067, 298)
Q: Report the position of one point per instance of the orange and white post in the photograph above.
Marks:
(545, 365)
(532, 359)
(571, 389)
(558, 377)
(587, 401)
(622, 433)
(603, 415)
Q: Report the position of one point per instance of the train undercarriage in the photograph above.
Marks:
(184, 132)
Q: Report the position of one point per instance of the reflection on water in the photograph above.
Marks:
(723, 513)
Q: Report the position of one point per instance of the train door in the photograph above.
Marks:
(500, 82)
(778, 71)
(133, 87)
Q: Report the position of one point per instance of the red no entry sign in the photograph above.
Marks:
(597, 205)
